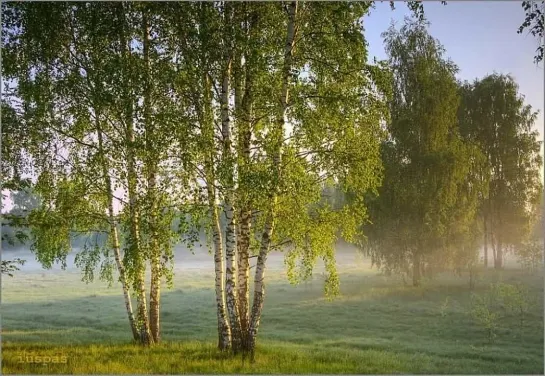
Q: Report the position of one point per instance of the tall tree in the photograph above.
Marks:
(425, 160)
(315, 147)
(331, 100)
(495, 117)
(277, 135)
(70, 90)
(87, 101)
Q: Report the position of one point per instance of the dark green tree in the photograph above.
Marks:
(426, 163)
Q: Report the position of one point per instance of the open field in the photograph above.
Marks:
(376, 326)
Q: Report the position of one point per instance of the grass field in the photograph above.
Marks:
(376, 326)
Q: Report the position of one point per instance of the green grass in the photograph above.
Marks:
(376, 326)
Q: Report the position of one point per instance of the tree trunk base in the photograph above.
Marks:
(145, 338)
(416, 270)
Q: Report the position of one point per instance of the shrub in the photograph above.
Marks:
(482, 313)
(530, 255)
(444, 307)
(514, 299)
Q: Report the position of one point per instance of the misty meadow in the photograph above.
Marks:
(245, 188)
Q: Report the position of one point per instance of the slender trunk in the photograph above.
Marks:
(206, 118)
(243, 103)
(499, 254)
(494, 253)
(471, 277)
(135, 250)
(471, 269)
(228, 160)
(224, 329)
(416, 269)
(485, 244)
(151, 167)
(155, 294)
(243, 264)
(230, 280)
(278, 135)
(259, 282)
(113, 230)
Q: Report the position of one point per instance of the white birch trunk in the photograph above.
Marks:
(135, 248)
(243, 103)
(224, 329)
(228, 158)
(243, 264)
(151, 166)
(113, 231)
(259, 279)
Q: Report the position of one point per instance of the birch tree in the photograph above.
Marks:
(303, 160)
(75, 79)
(91, 110)
(426, 161)
(496, 119)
